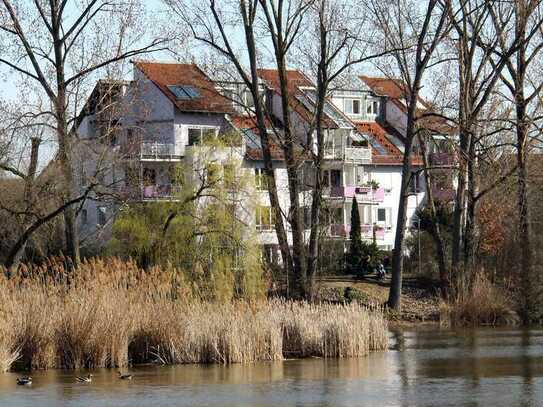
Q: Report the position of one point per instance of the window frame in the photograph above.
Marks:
(264, 213)
(261, 179)
(201, 129)
(101, 215)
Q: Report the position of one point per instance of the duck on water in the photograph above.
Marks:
(125, 376)
(84, 379)
(24, 381)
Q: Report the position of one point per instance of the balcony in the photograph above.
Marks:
(358, 154)
(363, 194)
(354, 154)
(160, 192)
(152, 151)
(443, 159)
(340, 230)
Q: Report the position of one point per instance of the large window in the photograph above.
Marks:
(200, 135)
(265, 219)
(384, 217)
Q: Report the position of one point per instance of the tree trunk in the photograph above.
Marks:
(394, 297)
(14, 259)
(529, 280)
(471, 226)
(435, 227)
(299, 261)
(266, 152)
(64, 139)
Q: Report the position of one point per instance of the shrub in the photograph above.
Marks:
(482, 303)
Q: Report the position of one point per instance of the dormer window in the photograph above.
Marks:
(352, 106)
(372, 107)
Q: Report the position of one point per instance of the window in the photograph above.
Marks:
(84, 217)
(356, 106)
(149, 176)
(384, 217)
(201, 135)
(264, 218)
(261, 179)
(335, 178)
(248, 100)
(184, 92)
(270, 254)
(414, 185)
(372, 107)
(101, 215)
(352, 106)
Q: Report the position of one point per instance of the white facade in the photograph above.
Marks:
(164, 133)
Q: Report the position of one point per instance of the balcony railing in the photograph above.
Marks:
(162, 191)
(443, 159)
(341, 230)
(363, 194)
(158, 151)
(151, 150)
(357, 154)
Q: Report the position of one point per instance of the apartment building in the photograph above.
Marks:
(168, 110)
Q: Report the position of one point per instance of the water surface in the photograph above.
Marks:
(428, 367)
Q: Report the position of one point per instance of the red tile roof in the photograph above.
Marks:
(395, 90)
(374, 130)
(164, 74)
(295, 79)
(393, 154)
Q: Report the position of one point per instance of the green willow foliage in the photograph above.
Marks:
(208, 238)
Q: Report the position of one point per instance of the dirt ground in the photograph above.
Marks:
(420, 300)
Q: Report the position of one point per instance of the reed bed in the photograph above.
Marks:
(483, 303)
(109, 313)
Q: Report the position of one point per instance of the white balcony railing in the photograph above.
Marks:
(357, 154)
(158, 150)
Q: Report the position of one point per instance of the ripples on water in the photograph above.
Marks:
(485, 367)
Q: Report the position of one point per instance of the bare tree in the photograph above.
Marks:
(415, 33)
(337, 43)
(56, 46)
(519, 25)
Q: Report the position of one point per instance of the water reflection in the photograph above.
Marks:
(423, 368)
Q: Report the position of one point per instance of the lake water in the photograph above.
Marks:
(427, 367)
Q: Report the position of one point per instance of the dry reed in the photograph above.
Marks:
(483, 303)
(108, 313)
